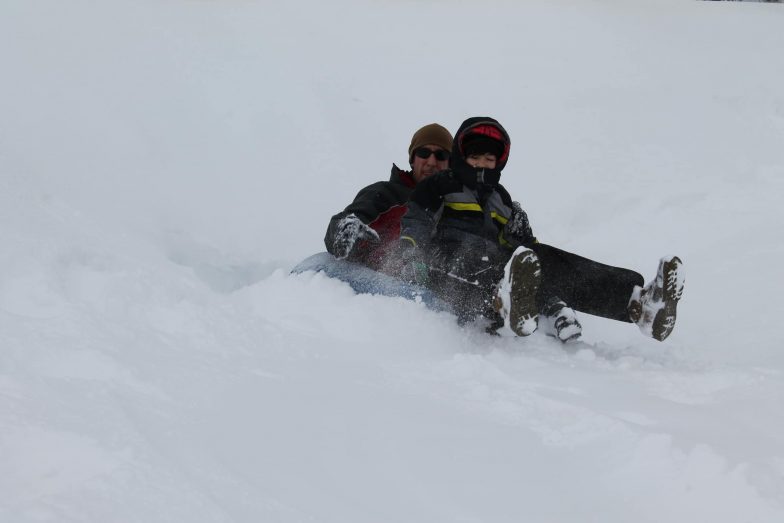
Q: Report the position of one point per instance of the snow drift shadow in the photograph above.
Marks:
(214, 268)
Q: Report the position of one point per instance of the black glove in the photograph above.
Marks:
(475, 177)
(348, 231)
(445, 182)
(429, 193)
(518, 228)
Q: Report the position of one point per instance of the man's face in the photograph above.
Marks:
(421, 168)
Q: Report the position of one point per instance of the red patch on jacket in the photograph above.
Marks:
(387, 225)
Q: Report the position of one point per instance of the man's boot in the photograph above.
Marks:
(653, 307)
(516, 296)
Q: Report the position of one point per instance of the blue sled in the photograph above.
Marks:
(367, 281)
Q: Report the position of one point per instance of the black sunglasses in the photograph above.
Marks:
(424, 153)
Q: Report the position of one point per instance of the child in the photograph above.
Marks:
(465, 239)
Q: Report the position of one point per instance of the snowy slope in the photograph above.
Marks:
(164, 164)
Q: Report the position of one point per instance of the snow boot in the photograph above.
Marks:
(653, 307)
(516, 295)
(560, 321)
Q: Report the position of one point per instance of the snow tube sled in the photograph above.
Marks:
(367, 281)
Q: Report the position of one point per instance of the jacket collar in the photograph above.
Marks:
(398, 175)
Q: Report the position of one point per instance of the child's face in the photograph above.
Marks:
(482, 160)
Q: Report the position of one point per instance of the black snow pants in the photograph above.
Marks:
(585, 285)
(469, 280)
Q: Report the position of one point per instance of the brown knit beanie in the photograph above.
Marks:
(431, 134)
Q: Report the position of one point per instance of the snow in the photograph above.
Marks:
(164, 164)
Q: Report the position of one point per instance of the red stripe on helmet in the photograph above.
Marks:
(490, 131)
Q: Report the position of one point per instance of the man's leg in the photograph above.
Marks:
(585, 285)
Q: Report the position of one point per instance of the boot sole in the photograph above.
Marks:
(524, 276)
(671, 276)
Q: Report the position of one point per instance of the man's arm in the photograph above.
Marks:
(424, 205)
(368, 204)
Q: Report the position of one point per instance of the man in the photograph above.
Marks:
(369, 227)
